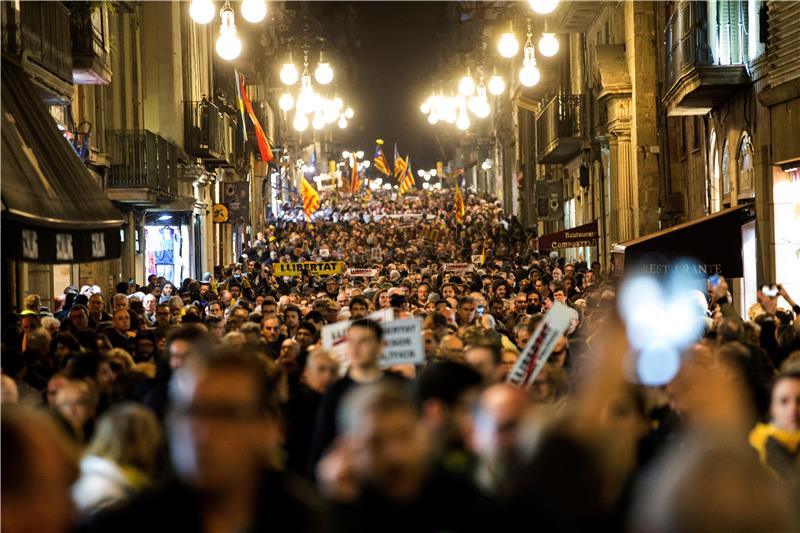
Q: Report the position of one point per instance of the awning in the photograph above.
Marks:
(712, 245)
(53, 209)
(585, 235)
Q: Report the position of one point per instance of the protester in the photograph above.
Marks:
(121, 460)
(259, 380)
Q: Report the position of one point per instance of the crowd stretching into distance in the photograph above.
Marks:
(212, 405)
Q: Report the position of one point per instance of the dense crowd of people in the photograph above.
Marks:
(213, 404)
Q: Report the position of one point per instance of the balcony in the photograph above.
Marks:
(696, 81)
(43, 46)
(559, 129)
(209, 133)
(576, 16)
(144, 168)
(91, 60)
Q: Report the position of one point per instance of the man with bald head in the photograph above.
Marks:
(497, 437)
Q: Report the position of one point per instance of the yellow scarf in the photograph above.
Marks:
(762, 432)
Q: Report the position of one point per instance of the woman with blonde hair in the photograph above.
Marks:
(122, 459)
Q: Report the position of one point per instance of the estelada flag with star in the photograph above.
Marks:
(310, 198)
(355, 179)
(407, 182)
(380, 160)
(400, 164)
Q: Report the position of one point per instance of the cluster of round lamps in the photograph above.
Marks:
(473, 98)
(228, 44)
(311, 108)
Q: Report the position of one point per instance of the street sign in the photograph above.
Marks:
(219, 213)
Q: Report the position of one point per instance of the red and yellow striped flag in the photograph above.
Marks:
(355, 179)
(264, 149)
(408, 182)
(460, 207)
(310, 198)
(380, 160)
(400, 165)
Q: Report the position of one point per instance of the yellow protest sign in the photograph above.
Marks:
(322, 268)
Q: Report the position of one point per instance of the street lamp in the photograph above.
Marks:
(286, 102)
(543, 7)
(228, 44)
(548, 44)
(300, 121)
(529, 75)
(467, 85)
(508, 46)
(496, 85)
(348, 113)
(254, 10)
(202, 11)
(462, 122)
(289, 73)
(324, 72)
(360, 154)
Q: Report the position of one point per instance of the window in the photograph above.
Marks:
(713, 192)
(734, 31)
(726, 174)
(744, 168)
(731, 27)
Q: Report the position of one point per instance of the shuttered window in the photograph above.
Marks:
(784, 41)
(732, 32)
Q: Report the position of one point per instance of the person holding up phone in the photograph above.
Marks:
(770, 332)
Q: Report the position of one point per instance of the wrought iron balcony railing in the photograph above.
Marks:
(209, 132)
(142, 160)
(560, 128)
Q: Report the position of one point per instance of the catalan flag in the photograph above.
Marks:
(380, 160)
(355, 179)
(408, 182)
(460, 207)
(263, 144)
(367, 192)
(399, 164)
(310, 198)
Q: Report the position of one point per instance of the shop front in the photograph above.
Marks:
(723, 243)
(169, 248)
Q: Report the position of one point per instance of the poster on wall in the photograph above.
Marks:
(549, 200)
(237, 199)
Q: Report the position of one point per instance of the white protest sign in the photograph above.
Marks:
(540, 345)
(404, 216)
(403, 340)
(334, 336)
(455, 267)
(477, 259)
(362, 272)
